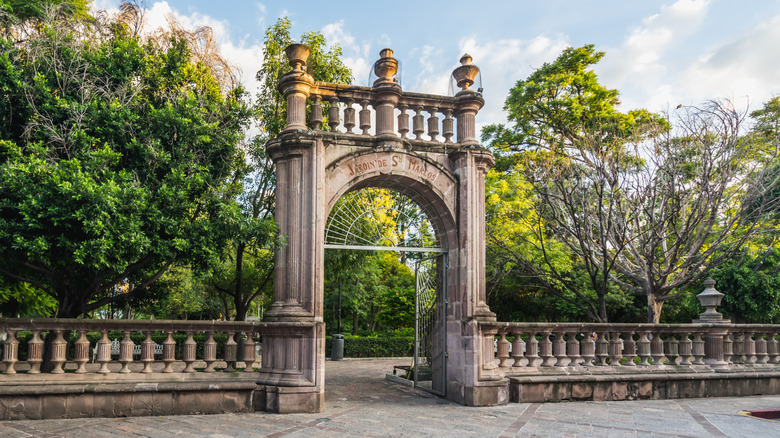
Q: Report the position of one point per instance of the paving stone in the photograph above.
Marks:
(361, 403)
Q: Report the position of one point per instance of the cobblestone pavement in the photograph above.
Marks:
(360, 402)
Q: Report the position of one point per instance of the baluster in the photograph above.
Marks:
(517, 348)
(761, 349)
(771, 347)
(750, 349)
(10, 352)
(249, 352)
(403, 120)
(333, 114)
(685, 348)
(545, 348)
(433, 123)
(316, 112)
(643, 345)
(657, 349)
(629, 349)
(230, 352)
(365, 117)
(126, 352)
(169, 352)
(104, 352)
(188, 353)
(488, 342)
(588, 348)
(35, 353)
(210, 353)
(448, 126)
(532, 349)
(559, 349)
(59, 348)
(502, 349)
(349, 116)
(739, 348)
(728, 350)
(602, 348)
(147, 352)
(82, 352)
(573, 348)
(615, 349)
(418, 122)
(698, 348)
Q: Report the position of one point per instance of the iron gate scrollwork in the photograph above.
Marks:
(429, 324)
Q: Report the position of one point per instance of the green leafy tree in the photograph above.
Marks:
(571, 144)
(113, 155)
(637, 203)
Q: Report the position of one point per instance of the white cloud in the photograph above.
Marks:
(355, 55)
(744, 68)
(640, 67)
(262, 12)
(503, 63)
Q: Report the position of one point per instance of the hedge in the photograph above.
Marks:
(375, 347)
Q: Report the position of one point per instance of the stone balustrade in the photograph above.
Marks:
(364, 111)
(717, 347)
(382, 112)
(239, 335)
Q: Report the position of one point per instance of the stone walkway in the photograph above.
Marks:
(360, 402)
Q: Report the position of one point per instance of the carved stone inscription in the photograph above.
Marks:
(398, 162)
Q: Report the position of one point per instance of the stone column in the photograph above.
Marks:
(292, 373)
(298, 179)
(387, 93)
(471, 376)
(710, 299)
(471, 163)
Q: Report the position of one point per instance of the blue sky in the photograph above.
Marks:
(658, 53)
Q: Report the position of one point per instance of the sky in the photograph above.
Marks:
(658, 53)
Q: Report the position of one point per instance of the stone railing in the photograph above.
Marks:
(359, 110)
(383, 111)
(239, 346)
(524, 347)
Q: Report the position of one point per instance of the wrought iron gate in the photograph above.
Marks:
(430, 347)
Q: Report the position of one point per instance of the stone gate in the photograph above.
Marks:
(442, 171)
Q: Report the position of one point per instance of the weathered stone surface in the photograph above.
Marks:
(581, 391)
(55, 406)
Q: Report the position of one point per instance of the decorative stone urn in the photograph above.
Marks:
(465, 74)
(710, 299)
(297, 54)
(385, 68)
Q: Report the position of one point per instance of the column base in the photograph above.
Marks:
(487, 394)
(289, 400)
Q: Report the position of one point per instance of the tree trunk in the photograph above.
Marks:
(602, 308)
(354, 323)
(654, 309)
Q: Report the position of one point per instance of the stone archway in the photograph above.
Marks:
(315, 167)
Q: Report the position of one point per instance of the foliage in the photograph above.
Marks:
(751, 287)
(374, 346)
(179, 294)
(21, 300)
(375, 287)
(633, 201)
(112, 155)
(563, 154)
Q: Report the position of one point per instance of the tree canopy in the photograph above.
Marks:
(113, 155)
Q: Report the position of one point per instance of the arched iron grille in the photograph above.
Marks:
(379, 218)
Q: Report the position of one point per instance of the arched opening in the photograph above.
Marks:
(370, 230)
